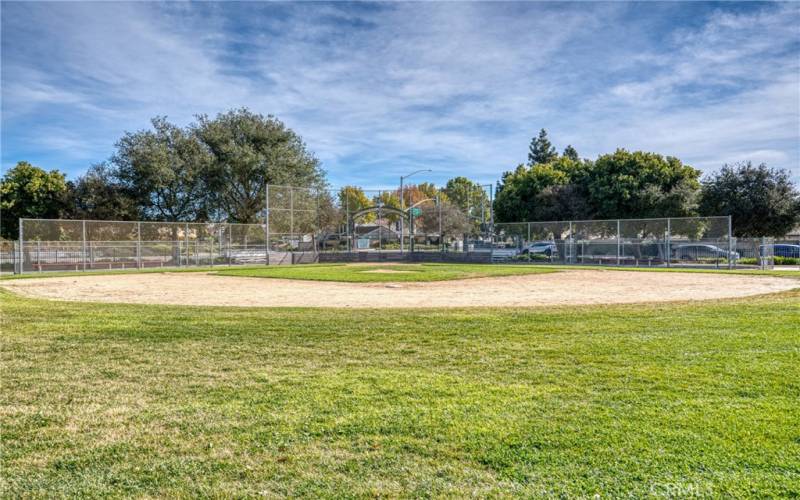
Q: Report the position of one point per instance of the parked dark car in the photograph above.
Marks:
(782, 250)
(697, 251)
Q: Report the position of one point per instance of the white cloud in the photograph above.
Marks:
(376, 89)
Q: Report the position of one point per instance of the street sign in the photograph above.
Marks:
(416, 212)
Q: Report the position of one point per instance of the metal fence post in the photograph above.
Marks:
(441, 239)
(730, 243)
(291, 214)
(83, 243)
(483, 207)
(619, 243)
(316, 233)
(21, 251)
(491, 211)
(179, 243)
(266, 225)
(186, 240)
(219, 242)
(668, 249)
(380, 228)
(139, 245)
(571, 243)
(348, 232)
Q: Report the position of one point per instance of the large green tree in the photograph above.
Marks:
(469, 197)
(248, 151)
(166, 170)
(28, 191)
(762, 201)
(544, 191)
(99, 195)
(619, 185)
(541, 150)
(636, 184)
(352, 199)
(387, 199)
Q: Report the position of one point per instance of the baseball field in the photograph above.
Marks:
(399, 381)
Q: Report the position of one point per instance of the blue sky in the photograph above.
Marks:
(378, 90)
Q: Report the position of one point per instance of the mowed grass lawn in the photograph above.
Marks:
(665, 400)
(368, 273)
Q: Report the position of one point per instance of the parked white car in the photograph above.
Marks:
(547, 248)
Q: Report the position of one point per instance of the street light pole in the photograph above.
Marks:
(402, 203)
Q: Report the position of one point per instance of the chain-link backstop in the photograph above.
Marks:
(300, 224)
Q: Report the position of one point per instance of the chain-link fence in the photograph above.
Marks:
(79, 245)
(8, 256)
(416, 218)
(297, 224)
(669, 242)
(300, 223)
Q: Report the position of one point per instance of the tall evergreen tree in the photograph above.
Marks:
(571, 153)
(541, 150)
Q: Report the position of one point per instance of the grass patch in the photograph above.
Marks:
(669, 400)
(777, 260)
(381, 273)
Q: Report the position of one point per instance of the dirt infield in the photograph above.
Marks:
(562, 288)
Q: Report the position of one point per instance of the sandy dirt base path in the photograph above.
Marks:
(561, 288)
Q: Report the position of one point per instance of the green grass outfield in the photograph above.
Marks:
(668, 400)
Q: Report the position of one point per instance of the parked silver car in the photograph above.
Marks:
(547, 248)
(699, 251)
